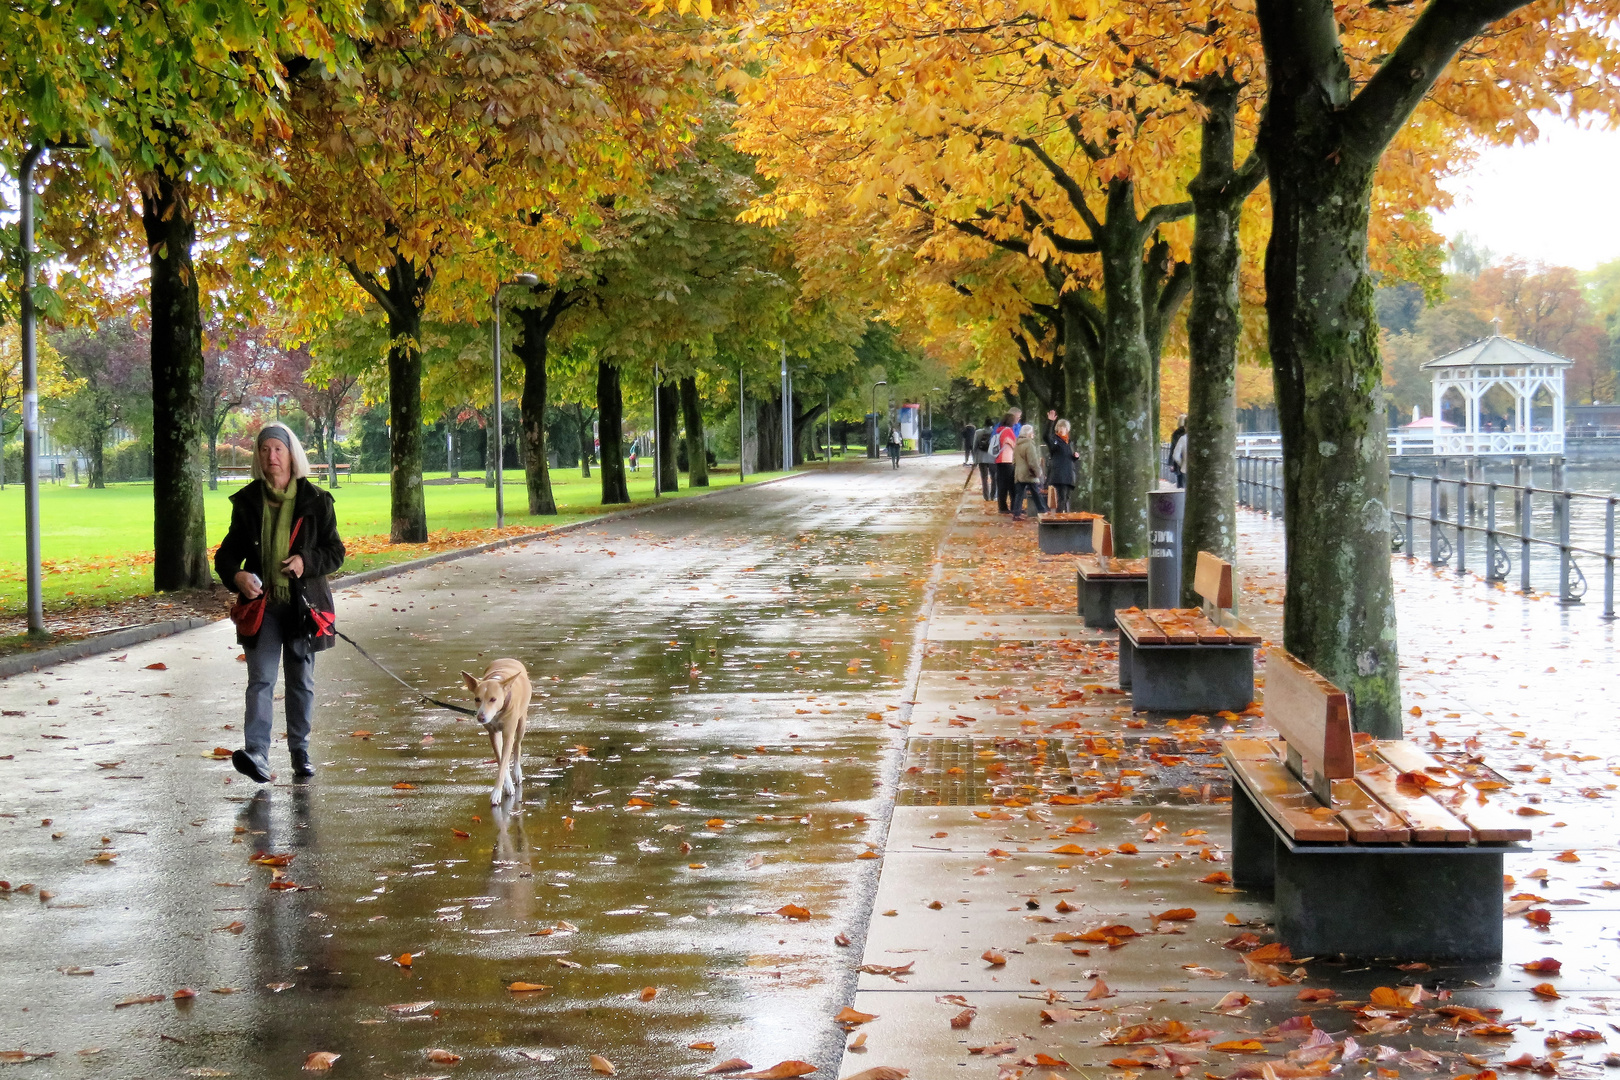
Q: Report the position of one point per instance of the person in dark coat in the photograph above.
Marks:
(282, 544)
(1063, 469)
(968, 433)
(1177, 457)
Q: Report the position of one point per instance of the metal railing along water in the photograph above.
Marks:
(1505, 527)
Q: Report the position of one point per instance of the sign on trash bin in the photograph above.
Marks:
(1165, 508)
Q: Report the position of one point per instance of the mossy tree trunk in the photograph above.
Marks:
(1213, 326)
(1322, 141)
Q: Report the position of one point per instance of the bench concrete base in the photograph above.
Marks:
(1439, 902)
(1187, 678)
(1064, 537)
(1101, 597)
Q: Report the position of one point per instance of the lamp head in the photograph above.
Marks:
(884, 382)
(529, 280)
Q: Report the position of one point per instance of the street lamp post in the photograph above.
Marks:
(929, 402)
(30, 380)
(872, 447)
(528, 281)
(742, 432)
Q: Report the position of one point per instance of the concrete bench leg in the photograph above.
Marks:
(1099, 598)
(1127, 662)
(1254, 844)
(1440, 907)
(1192, 678)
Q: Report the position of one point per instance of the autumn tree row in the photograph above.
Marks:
(1044, 188)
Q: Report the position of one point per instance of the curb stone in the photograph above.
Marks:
(24, 663)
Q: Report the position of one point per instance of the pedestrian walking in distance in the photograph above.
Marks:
(894, 446)
(968, 434)
(281, 546)
(1027, 473)
(1177, 459)
(1064, 463)
(1005, 440)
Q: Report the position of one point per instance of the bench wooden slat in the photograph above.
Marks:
(1135, 624)
(1090, 566)
(1369, 821)
(1173, 624)
(1430, 822)
(1281, 796)
(1212, 579)
(1241, 634)
(1311, 713)
(1491, 822)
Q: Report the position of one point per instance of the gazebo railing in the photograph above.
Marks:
(1535, 535)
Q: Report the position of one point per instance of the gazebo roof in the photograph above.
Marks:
(1498, 351)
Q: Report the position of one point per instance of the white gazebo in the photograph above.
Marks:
(1522, 372)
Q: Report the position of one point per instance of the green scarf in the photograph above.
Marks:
(275, 540)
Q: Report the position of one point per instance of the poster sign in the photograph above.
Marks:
(909, 415)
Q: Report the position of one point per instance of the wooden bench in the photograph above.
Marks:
(1188, 659)
(1065, 534)
(1105, 584)
(1375, 849)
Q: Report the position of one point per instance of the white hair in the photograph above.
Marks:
(1027, 429)
(1063, 427)
(300, 460)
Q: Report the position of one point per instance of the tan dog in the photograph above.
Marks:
(503, 696)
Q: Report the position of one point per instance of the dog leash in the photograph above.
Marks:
(431, 700)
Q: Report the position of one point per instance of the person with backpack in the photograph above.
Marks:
(984, 456)
(894, 446)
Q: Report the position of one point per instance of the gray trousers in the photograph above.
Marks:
(278, 643)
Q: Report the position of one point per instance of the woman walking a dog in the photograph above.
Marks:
(282, 544)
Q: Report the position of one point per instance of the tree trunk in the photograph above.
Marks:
(179, 534)
(610, 422)
(213, 459)
(331, 445)
(1126, 427)
(587, 443)
(1213, 326)
(1339, 615)
(532, 349)
(697, 454)
(407, 508)
(1079, 359)
(767, 434)
(669, 409)
(97, 460)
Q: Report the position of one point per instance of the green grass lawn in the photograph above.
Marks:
(96, 545)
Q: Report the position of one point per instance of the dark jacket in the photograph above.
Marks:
(315, 518)
(1062, 465)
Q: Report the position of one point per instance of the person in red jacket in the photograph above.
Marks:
(1006, 441)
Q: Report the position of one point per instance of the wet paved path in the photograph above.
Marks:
(721, 692)
(1043, 833)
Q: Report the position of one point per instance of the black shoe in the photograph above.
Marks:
(301, 764)
(248, 767)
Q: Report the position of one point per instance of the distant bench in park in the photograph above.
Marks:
(1184, 660)
(1104, 584)
(1370, 848)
